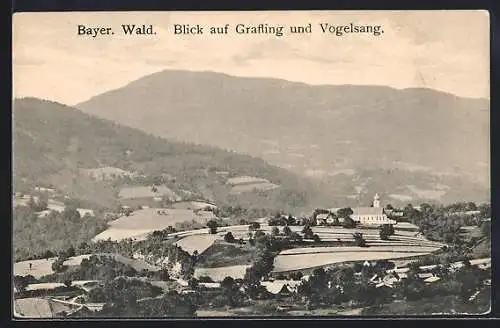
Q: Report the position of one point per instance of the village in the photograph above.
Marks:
(191, 248)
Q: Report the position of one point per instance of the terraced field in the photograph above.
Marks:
(402, 245)
(39, 267)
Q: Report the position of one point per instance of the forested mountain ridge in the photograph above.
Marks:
(53, 143)
(353, 140)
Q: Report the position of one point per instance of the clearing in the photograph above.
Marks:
(197, 243)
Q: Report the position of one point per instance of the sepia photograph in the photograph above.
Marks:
(250, 164)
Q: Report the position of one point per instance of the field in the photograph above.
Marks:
(145, 192)
(53, 285)
(245, 180)
(403, 244)
(247, 184)
(196, 243)
(192, 205)
(261, 186)
(43, 267)
(33, 308)
(145, 221)
(396, 249)
(39, 267)
(218, 274)
(284, 263)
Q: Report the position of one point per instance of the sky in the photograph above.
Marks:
(442, 50)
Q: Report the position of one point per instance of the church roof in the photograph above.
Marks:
(367, 211)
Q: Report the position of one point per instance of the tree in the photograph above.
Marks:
(228, 237)
(259, 233)
(345, 212)
(360, 241)
(287, 231)
(296, 275)
(486, 230)
(193, 283)
(48, 254)
(227, 283)
(348, 223)
(20, 283)
(295, 237)
(43, 202)
(471, 206)
(212, 225)
(58, 265)
(307, 231)
(32, 204)
(275, 231)
(70, 252)
(485, 210)
(290, 220)
(385, 231)
(254, 226)
(316, 238)
(163, 275)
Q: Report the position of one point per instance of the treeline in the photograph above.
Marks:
(35, 236)
(436, 223)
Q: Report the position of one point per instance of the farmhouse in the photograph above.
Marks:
(373, 215)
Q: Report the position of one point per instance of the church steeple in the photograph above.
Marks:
(376, 200)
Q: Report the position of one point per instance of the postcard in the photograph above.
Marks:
(251, 164)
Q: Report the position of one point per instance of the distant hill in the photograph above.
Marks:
(57, 145)
(344, 136)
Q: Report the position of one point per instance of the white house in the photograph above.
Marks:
(374, 215)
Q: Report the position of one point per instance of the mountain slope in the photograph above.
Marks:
(320, 131)
(54, 144)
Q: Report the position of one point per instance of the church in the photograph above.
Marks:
(374, 215)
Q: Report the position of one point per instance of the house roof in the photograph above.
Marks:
(322, 216)
(367, 211)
